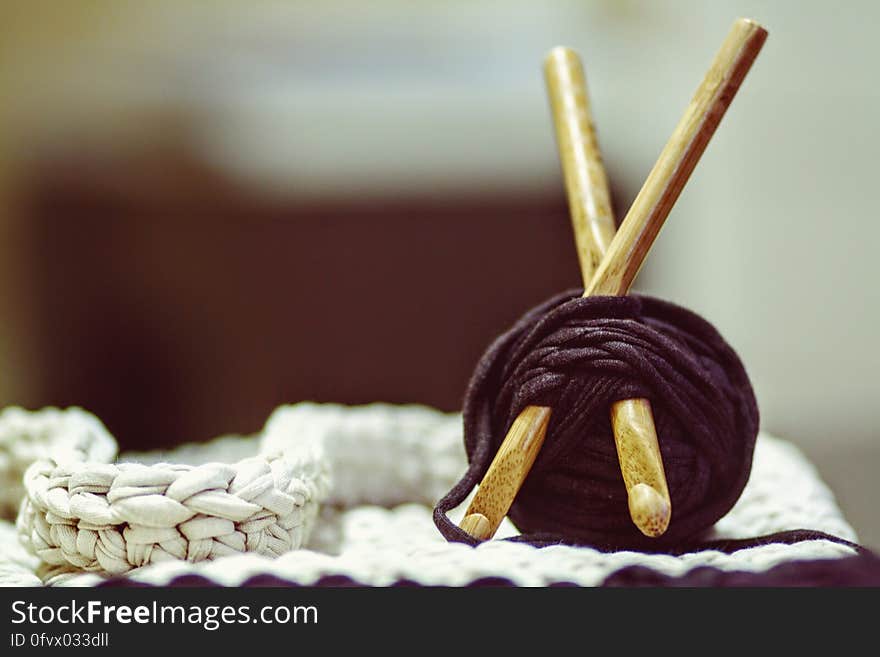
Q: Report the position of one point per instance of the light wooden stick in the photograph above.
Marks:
(628, 250)
(508, 470)
(678, 159)
(589, 198)
(641, 465)
(593, 220)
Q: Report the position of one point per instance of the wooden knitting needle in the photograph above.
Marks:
(589, 202)
(625, 256)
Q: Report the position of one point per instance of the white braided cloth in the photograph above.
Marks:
(112, 517)
(390, 463)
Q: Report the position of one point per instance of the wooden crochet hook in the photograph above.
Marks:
(625, 256)
(589, 201)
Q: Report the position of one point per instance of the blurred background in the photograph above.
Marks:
(209, 209)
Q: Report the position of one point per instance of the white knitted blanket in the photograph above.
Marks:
(387, 466)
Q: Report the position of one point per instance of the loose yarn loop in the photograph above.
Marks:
(578, 356)
(112, 517)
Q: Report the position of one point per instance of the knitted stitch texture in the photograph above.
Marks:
(376, 540)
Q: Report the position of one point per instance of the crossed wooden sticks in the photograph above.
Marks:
(609, 263)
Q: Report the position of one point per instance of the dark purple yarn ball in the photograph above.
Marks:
(578, 356)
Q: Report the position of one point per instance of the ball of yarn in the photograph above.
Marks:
(580, 355)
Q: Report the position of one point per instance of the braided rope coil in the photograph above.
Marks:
(113, 517)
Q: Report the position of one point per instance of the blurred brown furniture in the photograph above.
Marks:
(177, 306)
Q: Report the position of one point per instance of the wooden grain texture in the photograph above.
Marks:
(641, 465)
(678, 159)
(586, 184)
(507, 472)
